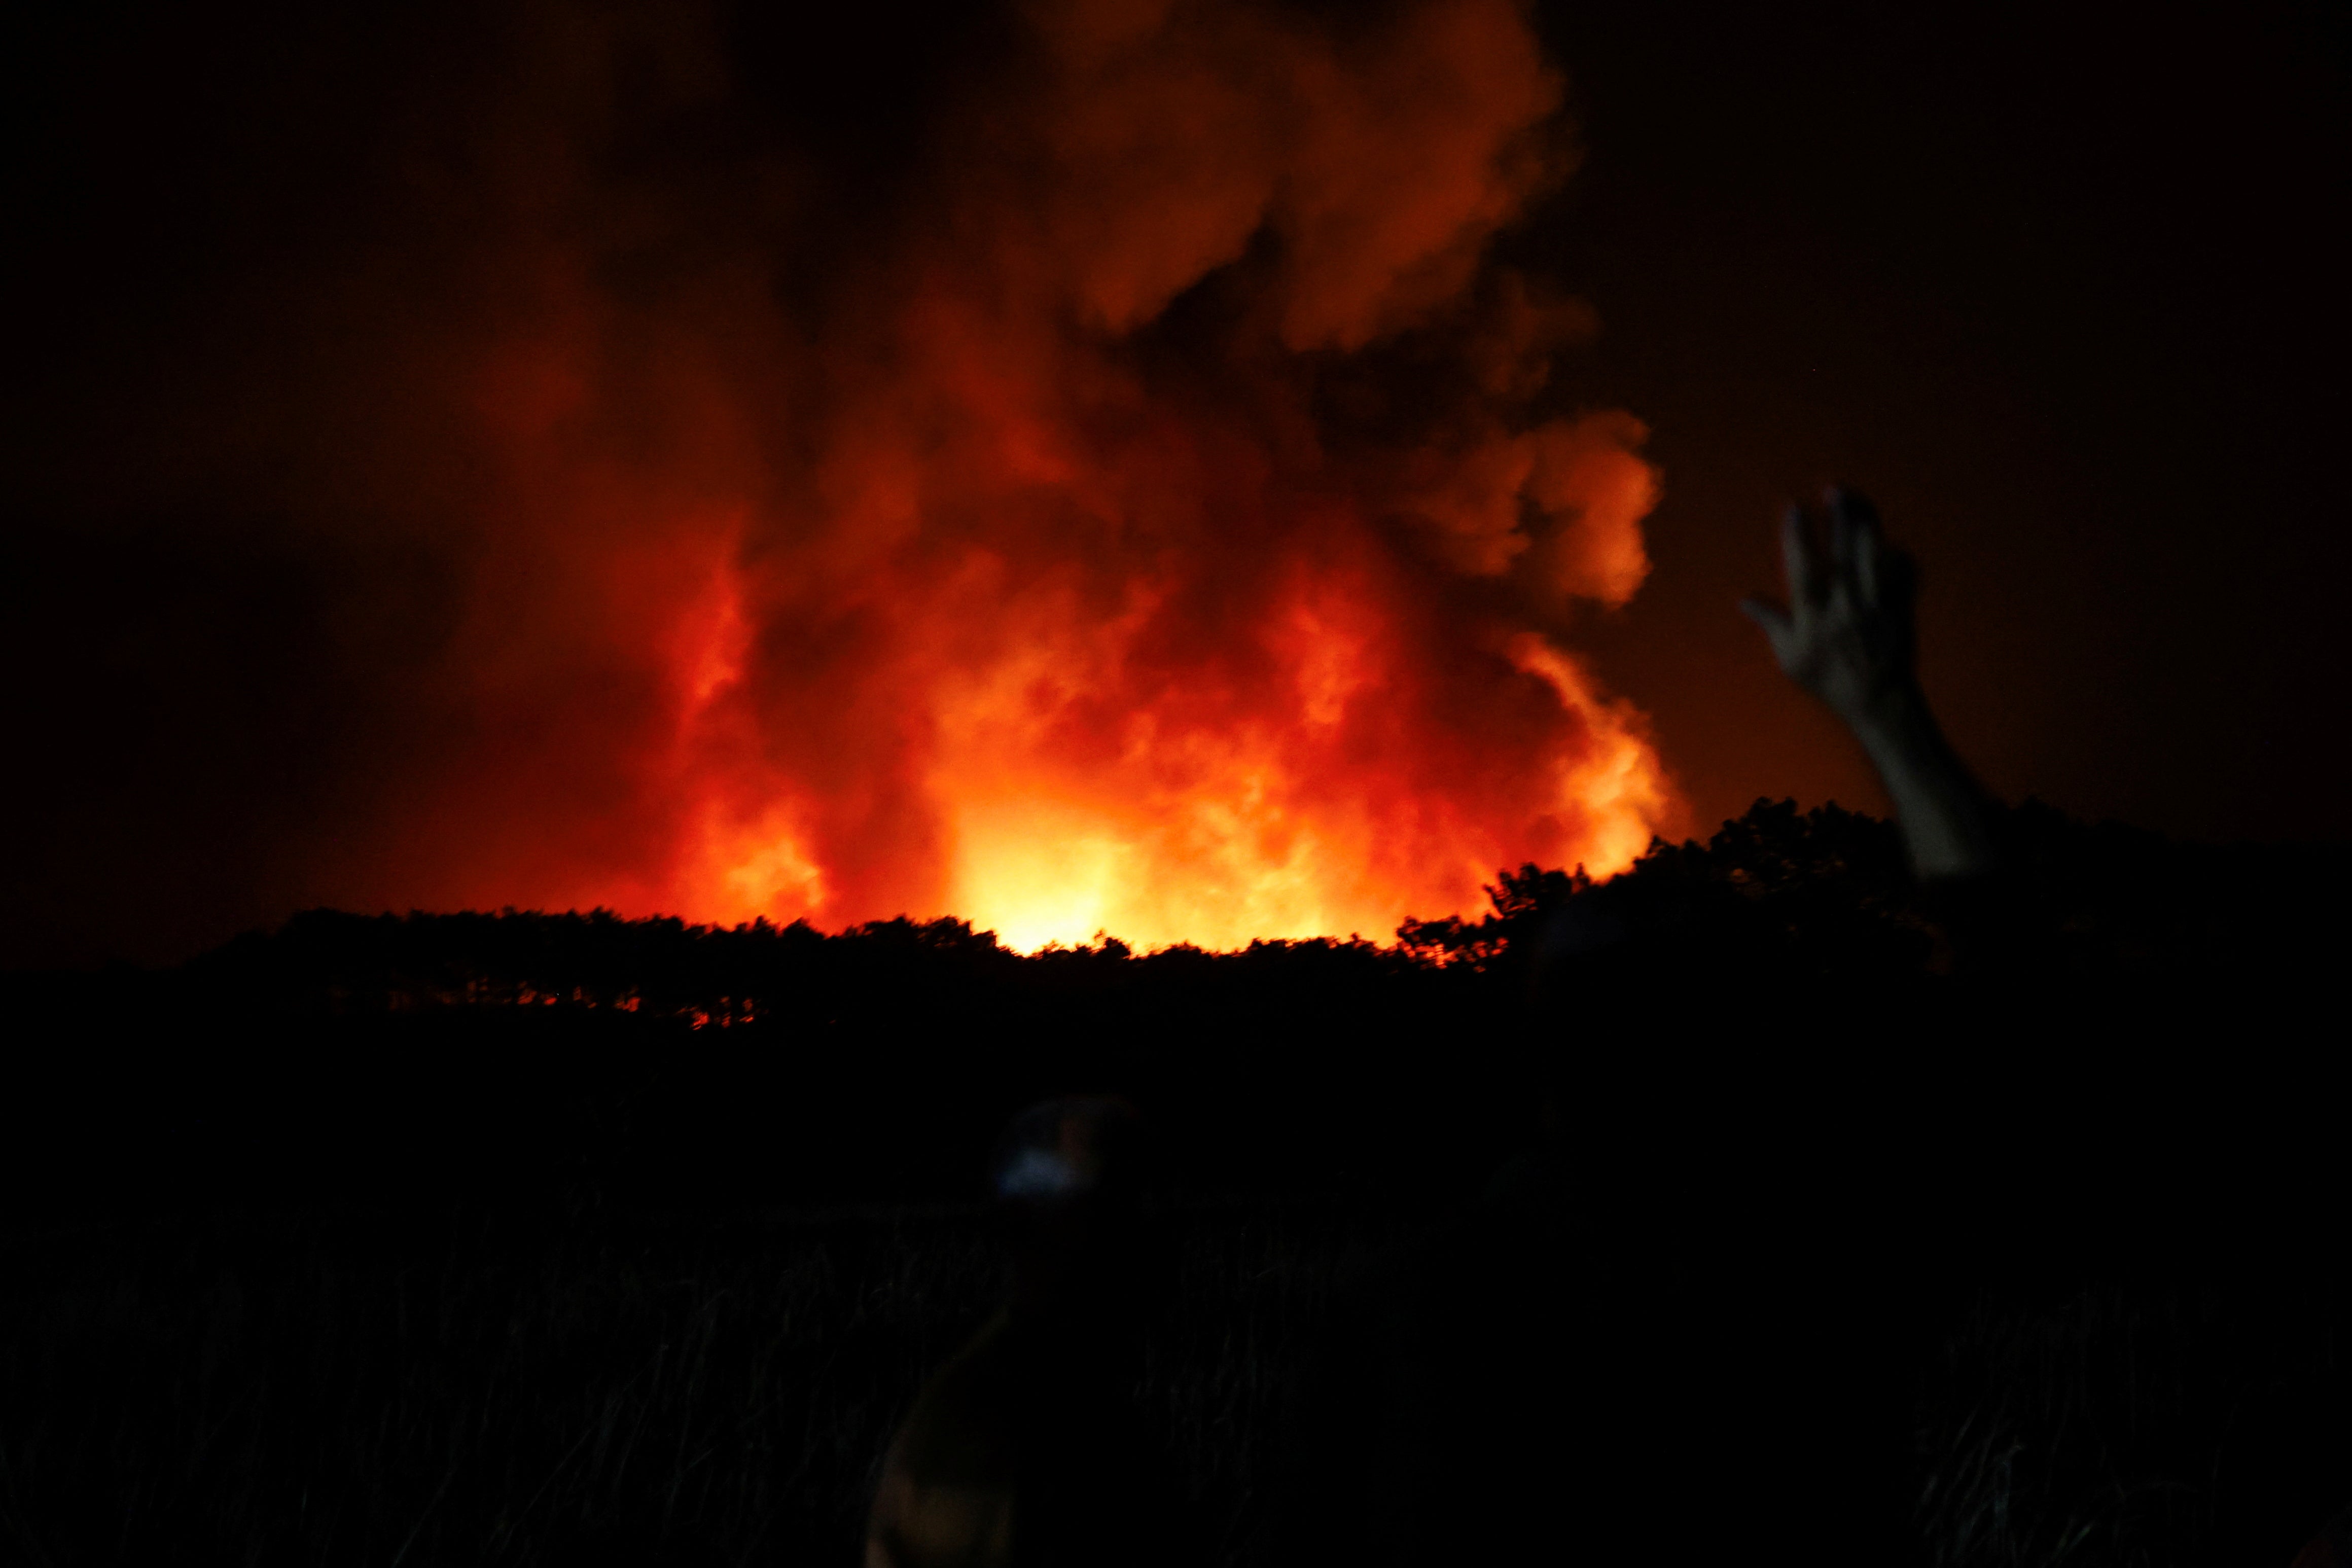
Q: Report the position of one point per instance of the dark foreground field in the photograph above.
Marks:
(475, 1240)
(498, 1390)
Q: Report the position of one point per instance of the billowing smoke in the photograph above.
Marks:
(1113, 487)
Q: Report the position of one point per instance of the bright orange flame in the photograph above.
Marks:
(1151, 535)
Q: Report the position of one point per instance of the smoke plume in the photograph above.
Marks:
(1084, 469)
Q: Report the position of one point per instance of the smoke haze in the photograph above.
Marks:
(1076, 467)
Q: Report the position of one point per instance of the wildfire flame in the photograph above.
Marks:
(1151, 528)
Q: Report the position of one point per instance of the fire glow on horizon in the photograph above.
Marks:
(1152, 529)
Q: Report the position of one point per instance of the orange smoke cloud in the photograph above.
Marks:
(1141, 526)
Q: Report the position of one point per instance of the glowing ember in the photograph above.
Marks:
(1148, 533)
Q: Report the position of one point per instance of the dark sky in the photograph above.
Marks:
(2063, 287)
(2066, 296)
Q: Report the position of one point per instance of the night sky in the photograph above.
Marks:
(2062, 287)
(2065, 297)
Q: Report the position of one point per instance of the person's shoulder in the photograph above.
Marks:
(2331, 1547)
(961, 1429)
(947, 1488)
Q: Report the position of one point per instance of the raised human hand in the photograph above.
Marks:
(1846, 635)
(1846, 632)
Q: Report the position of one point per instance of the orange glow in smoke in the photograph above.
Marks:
(1158, 531)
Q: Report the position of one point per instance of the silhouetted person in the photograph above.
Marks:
(1027, 1447)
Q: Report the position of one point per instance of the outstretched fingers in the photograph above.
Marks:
(1799, 561)
(1845, 582)
(1884, 576)
(1862, 545)
(1780, 630)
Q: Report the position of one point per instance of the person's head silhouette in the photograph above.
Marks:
(1065, 1176)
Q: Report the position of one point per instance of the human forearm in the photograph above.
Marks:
(1947, 817)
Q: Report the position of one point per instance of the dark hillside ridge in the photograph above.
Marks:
(1780, 1000)
(1997, 1247)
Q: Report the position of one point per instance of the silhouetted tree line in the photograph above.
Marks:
(1802, 895)
(585, 1053)
(1825, 894)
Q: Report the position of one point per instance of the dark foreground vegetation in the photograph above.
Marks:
(1863, 1229)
